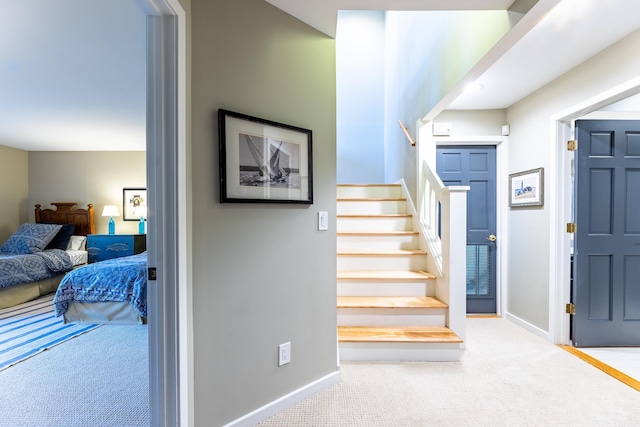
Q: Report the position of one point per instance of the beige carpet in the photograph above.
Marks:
(507, 377)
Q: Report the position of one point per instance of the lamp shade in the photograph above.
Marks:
(110, 210)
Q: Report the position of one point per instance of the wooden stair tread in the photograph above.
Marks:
(412, 334)
(392, 275)
(389, 302)
(389, 252)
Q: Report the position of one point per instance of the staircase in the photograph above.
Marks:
(387, 309)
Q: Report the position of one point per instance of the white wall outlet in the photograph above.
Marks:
(323, 221)
(284, 353)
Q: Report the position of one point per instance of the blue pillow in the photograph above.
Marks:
(30, 238)
(61, 240)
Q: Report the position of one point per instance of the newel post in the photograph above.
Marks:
(454, 255)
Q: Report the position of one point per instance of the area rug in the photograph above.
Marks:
(29, 328)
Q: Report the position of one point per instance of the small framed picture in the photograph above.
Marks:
(134, 204)
(262, 161)
(526, 188)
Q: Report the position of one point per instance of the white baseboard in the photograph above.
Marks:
(529, 327)
(261, 414)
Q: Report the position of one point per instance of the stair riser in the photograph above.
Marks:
(383, 344)
(386, 289)
(391, 317)
(382, 191)
(409, 262)
(377, 242)
(409, 352)
(374, 224)
(376, 207)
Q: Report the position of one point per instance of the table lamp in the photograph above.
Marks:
(111, 211)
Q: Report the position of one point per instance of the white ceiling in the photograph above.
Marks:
(570, 34)
(72, 75)
(72, 72)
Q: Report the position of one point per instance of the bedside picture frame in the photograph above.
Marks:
(134, 204)
(262, 161)
(526, 188)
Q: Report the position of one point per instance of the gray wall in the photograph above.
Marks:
(262, 274)
(83, 177)
(14, 190)
(530, 146)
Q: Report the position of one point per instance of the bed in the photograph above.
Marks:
(110, 291)
(36, 257)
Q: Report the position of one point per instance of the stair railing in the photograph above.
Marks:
(443, 221)
(429, 201)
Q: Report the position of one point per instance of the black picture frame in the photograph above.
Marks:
(134, 204)
(247, 175)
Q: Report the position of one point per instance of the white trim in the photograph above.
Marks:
(501, 204)
(528, 326)
(559, 189)
(559, 178)
(286, 401)
(172, 370)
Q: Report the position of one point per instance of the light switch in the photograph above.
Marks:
(323, 221)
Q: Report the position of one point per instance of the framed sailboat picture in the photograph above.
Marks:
(262, 161)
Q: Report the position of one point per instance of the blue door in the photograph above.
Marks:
(606, 270)
(475, 166)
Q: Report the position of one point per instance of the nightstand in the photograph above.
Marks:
(107, 246)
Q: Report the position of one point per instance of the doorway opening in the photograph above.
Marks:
(562, 210)
(170, 388)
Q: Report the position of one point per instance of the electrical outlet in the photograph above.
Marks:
(284, 353)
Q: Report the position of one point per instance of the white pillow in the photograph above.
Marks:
(77, 243)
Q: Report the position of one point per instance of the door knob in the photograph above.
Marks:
(492, 238)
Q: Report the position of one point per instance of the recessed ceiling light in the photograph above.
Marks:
(473, 87)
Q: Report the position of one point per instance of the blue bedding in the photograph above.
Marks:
(119, 279)
(15, 269)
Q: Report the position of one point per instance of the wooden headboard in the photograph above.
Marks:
(66, 214)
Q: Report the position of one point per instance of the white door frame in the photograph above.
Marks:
(170, 326)
(501, 191)
(560, 185)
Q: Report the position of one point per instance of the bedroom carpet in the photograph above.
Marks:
(98, 379)
(30, 328)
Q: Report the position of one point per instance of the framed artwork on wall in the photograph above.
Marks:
(262, 161)
(526, 188)
(134, 204)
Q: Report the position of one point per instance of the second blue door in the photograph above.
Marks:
(475, 166)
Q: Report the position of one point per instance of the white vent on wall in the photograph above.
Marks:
(441, 129)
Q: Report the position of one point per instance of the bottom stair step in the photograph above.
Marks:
(398, 344)
(413, 334)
